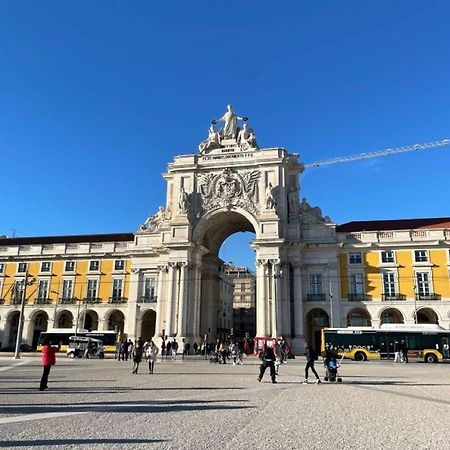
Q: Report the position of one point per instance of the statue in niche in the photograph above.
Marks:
(230, 119)
(270, 199)
(212, 142)
(183, 201)
(309, 214)
(246, 138)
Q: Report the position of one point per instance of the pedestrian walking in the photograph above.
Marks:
(311, 356)
(404, 349)
(445, 349)
(174, 348)
(137, 355)
(187, 348)
(129, 349)
(268, 360)
(278, 355)
(48, 360)
(163, 346)
(195, 347)
(123, 352)
(151, 353)
(397, 353)
(168, 348)
(223, 351)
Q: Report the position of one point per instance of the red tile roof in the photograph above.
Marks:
(400, 224)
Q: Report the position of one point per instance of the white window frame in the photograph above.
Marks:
(41, 282)
(353, 263)
(97, 288)
(122, 288)
(429, 275)
(315, 284)
(93, 261)
(72, 289)
(18, 267)
(146, 279)
(427, 256)
(2, 267)
(74, 266)
(49, 267)
(18, 282)
(363, 283)
(387, 262)
(121, 269)
(393, 282)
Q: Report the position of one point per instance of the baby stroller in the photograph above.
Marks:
(331, 367)
(216, 358)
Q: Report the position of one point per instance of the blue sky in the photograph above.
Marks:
(97, 97)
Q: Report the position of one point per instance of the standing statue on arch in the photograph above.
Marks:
(230, 119)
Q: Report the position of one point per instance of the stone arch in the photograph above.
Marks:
(316, 319)
(359, 317)
(64, 319)
(211, 232)
(89, 320)
(147, 322)
(427, 315)
(38, 322)
(115, 320)
(11, 327)
(391, 315)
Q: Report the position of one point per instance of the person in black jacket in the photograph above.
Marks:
(311, 356)
(268, 358)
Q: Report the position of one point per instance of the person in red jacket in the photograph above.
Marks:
(48, 360)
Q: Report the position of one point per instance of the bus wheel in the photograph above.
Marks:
(431, 358)
(101, 355)
(71, 355)
(360, 356)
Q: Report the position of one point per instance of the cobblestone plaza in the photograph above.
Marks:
(193, 404)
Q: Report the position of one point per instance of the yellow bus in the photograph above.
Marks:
(57, 335)
(427, 342)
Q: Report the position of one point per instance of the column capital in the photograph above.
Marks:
(262, 262)
(162, 267)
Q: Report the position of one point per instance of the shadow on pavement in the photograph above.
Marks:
(137, 406)
(49, 442)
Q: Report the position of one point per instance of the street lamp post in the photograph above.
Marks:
(331, 304)
(21, 320)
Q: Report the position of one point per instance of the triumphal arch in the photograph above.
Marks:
(230, 184)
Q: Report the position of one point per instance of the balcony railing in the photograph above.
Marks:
(42, 301)
(117, 299)
(423, 297)
(148, 299)
(316, 297)
(359, 297)
(68, 300)
(92, 300)
(392, 297)
(16, 301)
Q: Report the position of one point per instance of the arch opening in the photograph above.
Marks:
(427, 315)
(391, 315)
(148, 325)
(359, 318)
(316, 319)
(116, 321)
(227, 236)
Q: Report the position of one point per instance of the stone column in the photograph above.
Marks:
(261, 298)
(195, 304)
(182, 313)
(159, 301)
(132, 307)
(170, 299)
(285, 327)
(276, 298)
(299, 338)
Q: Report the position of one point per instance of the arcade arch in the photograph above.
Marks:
(89, 320)
(38, 323)
(359, 318)
(427, 315)
(116, 321)
(11, 328)
(391, 315)
(316, 319)
(64, 319)
(148, 323)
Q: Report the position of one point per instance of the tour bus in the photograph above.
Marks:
(57, 335)
(427, 342)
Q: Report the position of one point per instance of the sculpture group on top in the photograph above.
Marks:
(230, 134)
